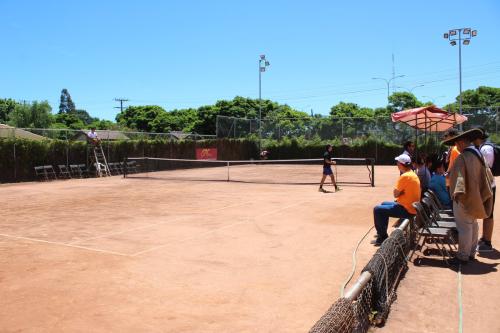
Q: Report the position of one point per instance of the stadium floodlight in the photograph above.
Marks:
(388, 83)
(263, 64)
(460, 36)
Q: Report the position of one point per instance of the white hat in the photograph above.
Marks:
(404, 159)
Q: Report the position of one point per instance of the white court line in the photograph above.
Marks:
(154, 224)
(65, 244)
(219, 229)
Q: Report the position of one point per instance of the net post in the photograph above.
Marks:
(227, 166)
(125, 169)
(372, 161)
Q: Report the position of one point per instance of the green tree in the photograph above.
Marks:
(102, 124)
(481, 98)
(343, 109)
(85, 117)
(66, 105)
(68, 120)
(400, 101)
(7, 106)
(31, 115)
(142, 118)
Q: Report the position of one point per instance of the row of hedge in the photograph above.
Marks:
(18, 157)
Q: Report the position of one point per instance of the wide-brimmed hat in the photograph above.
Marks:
(485, 135)
(471, 135)
(450, 133)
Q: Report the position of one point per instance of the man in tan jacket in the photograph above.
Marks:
(470, 189)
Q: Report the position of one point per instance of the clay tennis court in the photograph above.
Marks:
(157, 255)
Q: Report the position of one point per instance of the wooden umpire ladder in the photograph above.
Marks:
(100, 162)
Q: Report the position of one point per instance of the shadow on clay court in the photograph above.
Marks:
(475, 267)
(494, 255)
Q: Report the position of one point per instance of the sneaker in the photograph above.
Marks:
(483, 247)
(457, 262)
(321, 190)
(377, 242)
(337, 188)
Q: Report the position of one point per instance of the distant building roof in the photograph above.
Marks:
(102, 134)
(7, 131)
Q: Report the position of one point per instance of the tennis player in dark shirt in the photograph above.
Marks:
(327, 168)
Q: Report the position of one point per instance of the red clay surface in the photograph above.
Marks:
(150, 255)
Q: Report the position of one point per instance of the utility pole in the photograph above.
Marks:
(121, 100)
(263, 64)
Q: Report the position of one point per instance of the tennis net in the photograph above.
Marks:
(356, 171)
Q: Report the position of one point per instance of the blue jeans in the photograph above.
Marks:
(381, 214)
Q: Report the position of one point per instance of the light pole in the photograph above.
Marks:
(412, 88)
(263, 64)
(462, 35)
(388, 82)
(433, 99)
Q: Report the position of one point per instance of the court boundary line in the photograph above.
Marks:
(203, 234)
(65, 244)
(152, 224)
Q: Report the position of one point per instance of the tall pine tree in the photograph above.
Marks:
(66, 105)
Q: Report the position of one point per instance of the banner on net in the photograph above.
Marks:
(206, 153)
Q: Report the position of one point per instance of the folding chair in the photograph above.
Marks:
(131, 167)
(49, 170)
(446, 216)
(434, 216)
(40, 173)
(75, 171)
(113, 168)
(438, 236)
(83, 170)
(64, 171)
(119, 167)
(442, 209)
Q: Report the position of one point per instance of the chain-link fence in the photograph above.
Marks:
(346, 129)
(21, 149)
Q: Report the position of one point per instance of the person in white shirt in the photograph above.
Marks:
(92, 137)
(486, 149)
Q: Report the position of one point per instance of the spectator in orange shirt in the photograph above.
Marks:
(452, 154)
(407, 191)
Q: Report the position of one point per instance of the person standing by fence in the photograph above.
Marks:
(470, 188)
(487, 149)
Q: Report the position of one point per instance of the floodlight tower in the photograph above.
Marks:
(263, 64)
(462, 35)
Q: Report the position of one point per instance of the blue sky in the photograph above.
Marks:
(181, 54)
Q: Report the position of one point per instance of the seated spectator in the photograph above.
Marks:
(406, 192)
(264, 155)
(92, 137)
(423, 173)
(438, 185)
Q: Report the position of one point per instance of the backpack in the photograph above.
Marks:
(495, 169)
